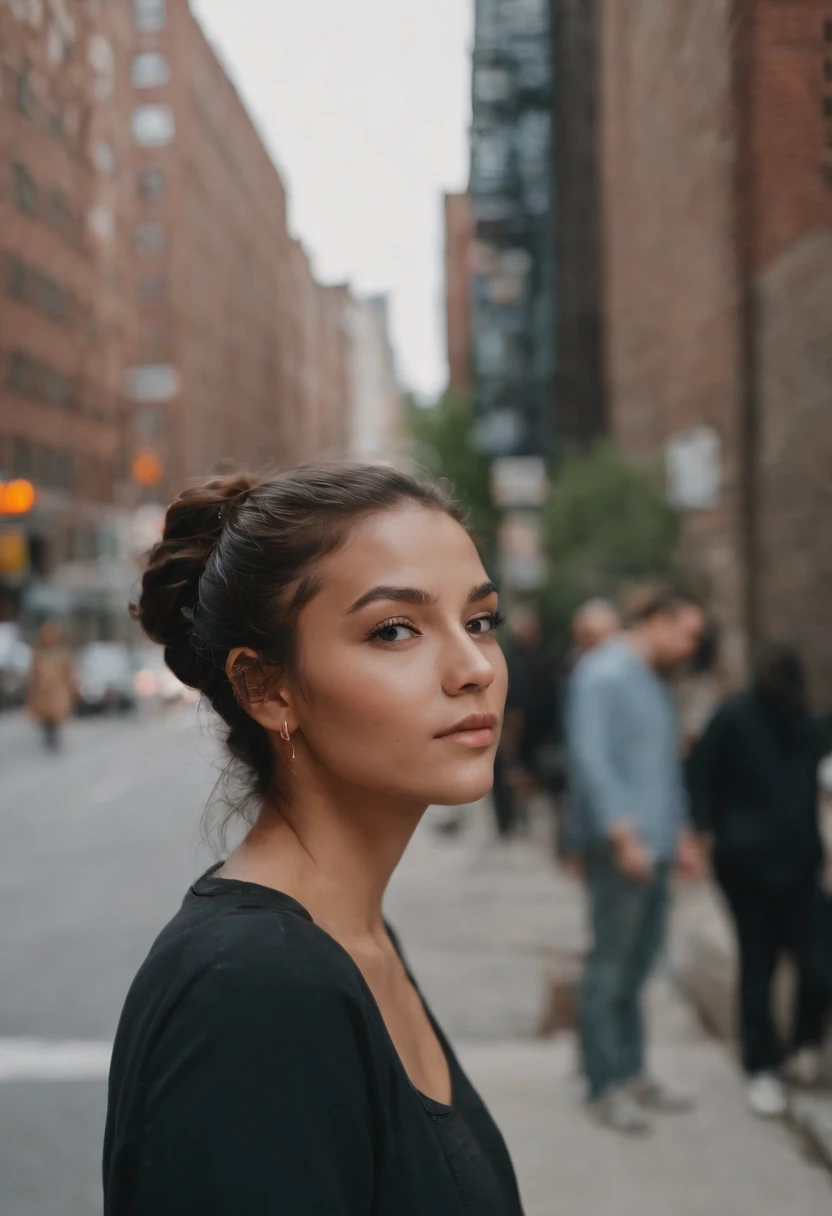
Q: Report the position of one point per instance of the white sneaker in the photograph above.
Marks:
(805, 1068)
(767, 1096)
(658, 1096)
(620, 1113)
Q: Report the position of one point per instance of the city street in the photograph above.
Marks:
(100, 843)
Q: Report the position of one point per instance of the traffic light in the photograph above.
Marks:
(17, 497)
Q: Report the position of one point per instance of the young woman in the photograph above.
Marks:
(274, 1054)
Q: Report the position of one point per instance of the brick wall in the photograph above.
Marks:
(459, 232)
(670, 268)
(791, 67)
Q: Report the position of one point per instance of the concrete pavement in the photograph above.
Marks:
(483, 927)
(101, 842)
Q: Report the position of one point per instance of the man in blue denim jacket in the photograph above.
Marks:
(629, 823)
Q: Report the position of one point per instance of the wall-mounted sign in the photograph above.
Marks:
(519, 481)
(694, 469)
(152, 382)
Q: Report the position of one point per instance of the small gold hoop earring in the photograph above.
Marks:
(284, 734)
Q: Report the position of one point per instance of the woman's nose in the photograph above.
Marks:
(468, 667)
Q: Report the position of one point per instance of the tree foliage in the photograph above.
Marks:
(606, 524)
(442, 444)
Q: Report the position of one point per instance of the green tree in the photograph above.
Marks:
(607, 523)
(442, 444)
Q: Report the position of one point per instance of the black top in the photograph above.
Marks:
(253, 1073)
(754, 786)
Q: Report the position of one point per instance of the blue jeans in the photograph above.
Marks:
(628, 923)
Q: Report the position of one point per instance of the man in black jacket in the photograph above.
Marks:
(754, 786)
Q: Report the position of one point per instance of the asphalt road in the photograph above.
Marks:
(99, 845)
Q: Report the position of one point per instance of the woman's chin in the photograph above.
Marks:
(465, 789)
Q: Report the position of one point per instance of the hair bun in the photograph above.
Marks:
(170, 586)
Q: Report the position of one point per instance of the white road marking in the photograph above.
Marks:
(27, 1059)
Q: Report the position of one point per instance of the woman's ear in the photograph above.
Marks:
(260, 690)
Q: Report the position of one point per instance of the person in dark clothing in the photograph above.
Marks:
(754, 789)
(274, 1054)
(531, 722)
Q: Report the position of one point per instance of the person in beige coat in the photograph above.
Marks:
(51, 683)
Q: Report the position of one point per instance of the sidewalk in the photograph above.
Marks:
(483, 928)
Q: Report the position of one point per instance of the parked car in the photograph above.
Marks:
(153, 680)
(105, 678)
(15, 661)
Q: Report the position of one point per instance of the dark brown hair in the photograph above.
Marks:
(659, 599)
(237, 562)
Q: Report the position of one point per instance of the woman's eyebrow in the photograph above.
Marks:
(400, 595)
(482, 592)
(414, 595)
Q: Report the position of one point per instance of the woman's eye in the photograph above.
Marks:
(394, 633)
(481, 625)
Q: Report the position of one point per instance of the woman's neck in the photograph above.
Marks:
(333, 851)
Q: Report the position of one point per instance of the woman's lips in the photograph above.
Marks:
(478, 730)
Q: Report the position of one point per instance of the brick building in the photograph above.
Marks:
(64, 271)
(241, 355)
(459, 234)
(716, 163)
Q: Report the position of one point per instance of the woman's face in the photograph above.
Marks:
(403, 682)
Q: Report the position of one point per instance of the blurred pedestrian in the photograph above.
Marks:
(275, 1054)
(630, 810)
(593, 623)
(530, 725)
(51, 693)
(755, 786)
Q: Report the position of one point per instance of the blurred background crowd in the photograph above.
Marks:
(633, 284)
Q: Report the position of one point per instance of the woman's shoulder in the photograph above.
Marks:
(238, 950)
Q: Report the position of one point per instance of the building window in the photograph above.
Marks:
(827, 31)
(19, 371)
(57, 126)
(152, 183)
(58, 213)
(151, 289)
(26, 192)
(104, 158)
(54, 300)
(149, 238)
(827, 107)
(25, 96)
(150, 70)
(149, 15)
(22, 458)
(18, 282)
(33, 379)
(153, 126)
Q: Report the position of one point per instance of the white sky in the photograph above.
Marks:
(365, 106)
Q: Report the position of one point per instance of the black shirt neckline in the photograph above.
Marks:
(209, 885)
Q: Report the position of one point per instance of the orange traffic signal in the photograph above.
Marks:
(147, 469)
(17, 497)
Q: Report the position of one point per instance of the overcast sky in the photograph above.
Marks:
(365, 106)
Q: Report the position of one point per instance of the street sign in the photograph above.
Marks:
(519, 481)
(694, 469)
(522, 564)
